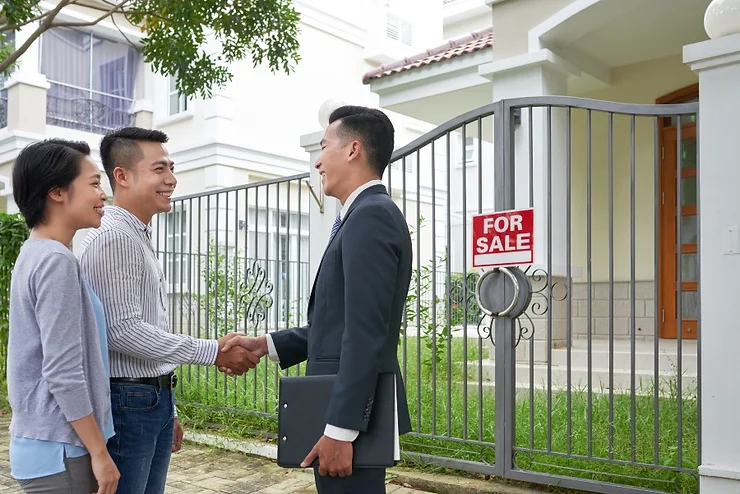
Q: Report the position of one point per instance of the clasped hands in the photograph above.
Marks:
(237, 353)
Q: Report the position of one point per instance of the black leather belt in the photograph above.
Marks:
(166, 381)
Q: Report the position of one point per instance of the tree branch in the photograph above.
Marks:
(43, 26)
(107, 13)
(15, 27)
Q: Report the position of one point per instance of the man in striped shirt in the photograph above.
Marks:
(122, 267)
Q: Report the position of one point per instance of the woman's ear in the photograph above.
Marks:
(56, 194)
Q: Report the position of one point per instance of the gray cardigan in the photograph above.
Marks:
(55, 367)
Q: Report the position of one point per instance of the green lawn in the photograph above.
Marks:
(443, 414)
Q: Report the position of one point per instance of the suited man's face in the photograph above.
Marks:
(335, 161)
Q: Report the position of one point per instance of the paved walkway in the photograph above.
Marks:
(206, 470)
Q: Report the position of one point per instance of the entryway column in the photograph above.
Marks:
(541, 73)
(320, 221)
(717, 62)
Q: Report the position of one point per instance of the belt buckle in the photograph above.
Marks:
(173, 380)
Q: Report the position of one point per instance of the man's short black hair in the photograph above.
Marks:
(41, 167)
(371, 127)
(120, 148)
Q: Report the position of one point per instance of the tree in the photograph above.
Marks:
(175, 33)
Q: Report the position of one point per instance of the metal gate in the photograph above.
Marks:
(594, 386)
(583, 389)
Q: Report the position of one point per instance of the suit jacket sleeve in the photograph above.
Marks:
(370, 256)
(291, 345)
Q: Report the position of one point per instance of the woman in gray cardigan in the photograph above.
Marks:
(58, 383)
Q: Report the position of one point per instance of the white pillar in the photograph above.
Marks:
(27, 87)
(321, 223)
(538, 74)
(717, 62)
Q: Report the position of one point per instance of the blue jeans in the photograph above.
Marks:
(143, 418)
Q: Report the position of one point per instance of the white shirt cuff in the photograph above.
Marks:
(339, 434)
(271, 351)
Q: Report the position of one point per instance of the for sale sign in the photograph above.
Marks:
(504, 238)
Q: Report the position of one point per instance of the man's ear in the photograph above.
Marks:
(355, 149)
(56, 194)
(121, 176)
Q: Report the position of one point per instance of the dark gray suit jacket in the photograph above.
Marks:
(355, 310)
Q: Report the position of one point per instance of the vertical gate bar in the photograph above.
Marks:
(465, 282)
(434, 294)
(503, 395)
(656, 277)
(236, 279)
(207, 277)
(403, 209)
(698, 287)
(216, 325)
(200, 284)
(679, 285)
(569, 308)
(447, 290)
(480, 340)
(255, 373)
(611, 284)
(288, 311)
(419, 401)
(633, 416)
(226, 302)
(299, 268)
(532, 340)
(190, 283)
(531, 159)
(549, 279)
(589, 274)
(267, 271)
(277, 286)
(247, 375)
(183, 232)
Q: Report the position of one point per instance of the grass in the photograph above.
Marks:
(452, 423)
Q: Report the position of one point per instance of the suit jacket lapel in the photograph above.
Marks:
(375, 189)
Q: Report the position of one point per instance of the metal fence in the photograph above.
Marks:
(595, 386)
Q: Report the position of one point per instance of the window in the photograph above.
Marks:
(410, 163)
(177, 265)
(91, 80)
(9, 41)
(399, 29)
(469, 150)
(178, 103)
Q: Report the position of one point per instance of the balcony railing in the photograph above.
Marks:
(3, 108)
(87, 110)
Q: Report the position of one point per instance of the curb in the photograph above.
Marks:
(431, 482)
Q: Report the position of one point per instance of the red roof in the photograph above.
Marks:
(471, 43)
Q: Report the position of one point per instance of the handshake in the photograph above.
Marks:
(238, 352)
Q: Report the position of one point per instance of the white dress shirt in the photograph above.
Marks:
(334, 432)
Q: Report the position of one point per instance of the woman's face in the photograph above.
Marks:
(85, 198)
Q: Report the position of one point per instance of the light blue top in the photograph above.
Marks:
(33, 458)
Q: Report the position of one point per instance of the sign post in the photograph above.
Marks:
(504, 238)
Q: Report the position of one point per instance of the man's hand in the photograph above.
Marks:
(257, 346)
(236, 359)
(335, 457)
(177, 441)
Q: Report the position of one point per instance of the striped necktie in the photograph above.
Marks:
(335, 227)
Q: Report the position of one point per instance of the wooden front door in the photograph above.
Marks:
(671, 213)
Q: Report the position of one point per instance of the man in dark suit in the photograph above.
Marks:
(357, 301)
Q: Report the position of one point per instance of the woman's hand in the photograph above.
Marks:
(106, 473)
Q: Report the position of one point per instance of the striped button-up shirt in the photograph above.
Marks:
(121, 266)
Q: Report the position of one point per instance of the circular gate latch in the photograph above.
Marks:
(503, 292)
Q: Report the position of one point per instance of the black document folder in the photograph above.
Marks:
(302, 419)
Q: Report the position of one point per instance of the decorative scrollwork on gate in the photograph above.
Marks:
(256, 294)
(543, 291)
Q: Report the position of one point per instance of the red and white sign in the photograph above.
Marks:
(505, 238)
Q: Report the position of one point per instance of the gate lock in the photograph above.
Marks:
(503, 292)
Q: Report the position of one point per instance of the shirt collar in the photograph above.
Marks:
(130, 218)
(353, 196)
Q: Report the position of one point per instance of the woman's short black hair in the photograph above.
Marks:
(41, 167)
